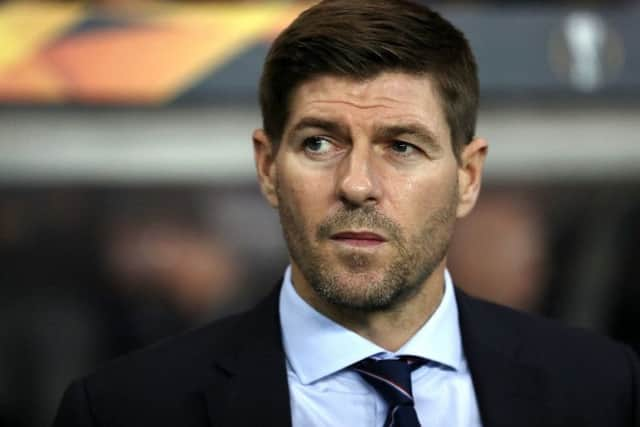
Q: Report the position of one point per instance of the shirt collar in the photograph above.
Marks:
(316, 346)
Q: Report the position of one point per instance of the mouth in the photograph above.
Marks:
(358, 238)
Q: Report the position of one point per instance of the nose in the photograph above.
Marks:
(357, 183)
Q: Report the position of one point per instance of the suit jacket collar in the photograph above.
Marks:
(252, 363)
(509, 391)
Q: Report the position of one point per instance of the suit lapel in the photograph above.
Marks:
(249, 385)
(508, 391)
(250, 388)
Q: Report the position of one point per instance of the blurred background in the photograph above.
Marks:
(128, 204)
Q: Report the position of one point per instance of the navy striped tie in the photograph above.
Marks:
(392, 380)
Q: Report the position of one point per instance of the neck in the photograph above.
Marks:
(389, 329)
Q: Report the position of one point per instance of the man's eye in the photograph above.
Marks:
(403, 148)
(317, 145)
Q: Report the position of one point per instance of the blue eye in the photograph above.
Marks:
(317, 145)
(403, 147)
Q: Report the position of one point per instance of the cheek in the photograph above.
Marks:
(413, 198)
(305, 194)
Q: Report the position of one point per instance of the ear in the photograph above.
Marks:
(470, 170)
(265, 158)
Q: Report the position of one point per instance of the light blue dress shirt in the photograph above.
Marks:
(324, 393)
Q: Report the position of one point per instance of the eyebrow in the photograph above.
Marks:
(328, 126)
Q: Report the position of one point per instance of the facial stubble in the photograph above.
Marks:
(416, 257)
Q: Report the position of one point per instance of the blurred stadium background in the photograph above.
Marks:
(128, 204)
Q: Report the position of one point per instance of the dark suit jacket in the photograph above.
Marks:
(527, 372)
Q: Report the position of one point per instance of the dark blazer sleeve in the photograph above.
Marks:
(74, 410)
(635, 386)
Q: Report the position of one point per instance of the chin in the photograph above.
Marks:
(367, 291)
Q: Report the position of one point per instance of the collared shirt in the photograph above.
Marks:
(324, 392)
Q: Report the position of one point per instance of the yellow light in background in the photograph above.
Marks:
(26, 26)
(159, 52)
(221, 30)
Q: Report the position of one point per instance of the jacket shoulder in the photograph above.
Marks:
(189, 348)
(158, 385)
(532, 331)
(576, 365)
(172, 382)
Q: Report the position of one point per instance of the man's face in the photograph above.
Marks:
(366, 184)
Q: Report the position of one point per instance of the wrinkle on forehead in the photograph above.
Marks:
(396, 95)
(359, 92)
(351, 104)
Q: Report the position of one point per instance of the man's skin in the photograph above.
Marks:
(369, 188)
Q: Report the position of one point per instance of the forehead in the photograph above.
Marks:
(388, 97)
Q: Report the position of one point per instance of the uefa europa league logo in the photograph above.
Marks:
(586, 52)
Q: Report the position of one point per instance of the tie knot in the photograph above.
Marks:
(390, 377)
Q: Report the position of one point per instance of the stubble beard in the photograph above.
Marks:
(415, 260)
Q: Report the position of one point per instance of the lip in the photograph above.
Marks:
(358, 238)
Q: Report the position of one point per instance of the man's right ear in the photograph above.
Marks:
(265, 157)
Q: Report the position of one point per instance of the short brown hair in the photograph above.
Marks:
(362, 38)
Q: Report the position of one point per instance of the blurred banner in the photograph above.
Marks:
(172, 53)
(53, 53)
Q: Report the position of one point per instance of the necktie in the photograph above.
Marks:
(392, 380)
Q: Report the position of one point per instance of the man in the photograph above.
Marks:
(368, 152)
